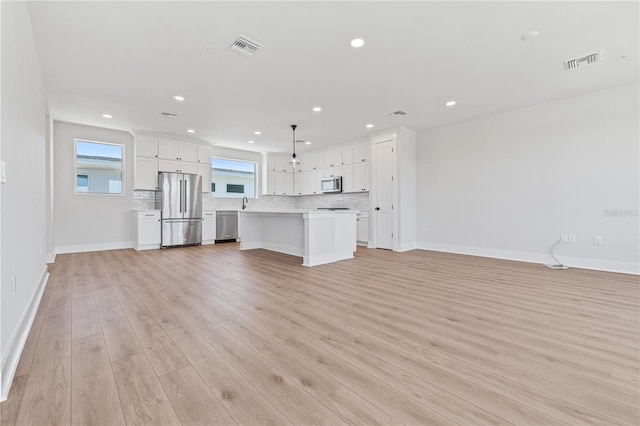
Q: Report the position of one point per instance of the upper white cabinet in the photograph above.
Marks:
(347, 155)
(332, 158)
(204, 171)
(146, 147)
(145, 173)
(204, 154)
(177, 166)
(170, 150)
(349, 161)
(361, 153)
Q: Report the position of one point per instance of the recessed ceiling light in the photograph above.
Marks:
(191, 131)
(530, 35)
(369, 126)
(107, 115)
(317, 109)
(178, 98)
(307, 143)
(450, 103)
(257, 132)
(357, 42)
(250, 141)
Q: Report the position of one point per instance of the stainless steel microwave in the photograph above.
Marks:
(332, 184)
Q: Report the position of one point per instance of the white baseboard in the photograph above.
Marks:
(573, 262)
(81, 248)
(11, 357)
(50, 258)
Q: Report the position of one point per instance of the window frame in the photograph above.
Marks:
(75, 167)
(255, 175)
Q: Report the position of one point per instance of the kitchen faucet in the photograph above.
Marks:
(245, 201)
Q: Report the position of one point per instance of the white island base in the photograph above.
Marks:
(318, 237)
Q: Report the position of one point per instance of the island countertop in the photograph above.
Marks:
(318, 236)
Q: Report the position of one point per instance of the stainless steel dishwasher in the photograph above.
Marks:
(226, 225)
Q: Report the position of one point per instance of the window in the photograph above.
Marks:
(82, 183)
(99, 167)
(234, 178)
(235, 188)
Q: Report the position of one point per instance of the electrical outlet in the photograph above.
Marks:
(597, 240)
(13, 285)
(572, 238)
(564, 238)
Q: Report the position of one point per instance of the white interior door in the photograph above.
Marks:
(384, 194)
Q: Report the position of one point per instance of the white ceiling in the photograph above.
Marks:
(128, 59)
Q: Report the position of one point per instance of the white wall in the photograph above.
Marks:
(85, 222)
(23, 207)
(507, 185)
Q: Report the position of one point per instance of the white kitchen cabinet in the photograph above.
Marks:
(204, 171)
(332, 172)
(282, 183)
(348, 183)
(145, 147)
(299, 183)
(347, 155)
(332, 158)
(145, 173)
(281, 164)
(355, 177)
(361, 153)
(362, 228)
(177, 166)
(181, 151)
(361, 177)
(270, 182)
(314, 161)
(208, 227)
(204, 155)
(146, 230)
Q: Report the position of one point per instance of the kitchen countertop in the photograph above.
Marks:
(298, 211)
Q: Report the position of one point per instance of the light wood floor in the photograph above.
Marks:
(212, 335)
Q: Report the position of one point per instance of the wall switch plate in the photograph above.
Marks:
(572, 238)
(597, 240)
(564, 238)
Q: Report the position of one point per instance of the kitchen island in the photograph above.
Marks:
(318, 237)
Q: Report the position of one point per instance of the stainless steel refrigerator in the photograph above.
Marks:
(181, 209)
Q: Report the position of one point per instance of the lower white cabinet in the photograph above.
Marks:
(362, 228)
(208, 227)
(146, 230)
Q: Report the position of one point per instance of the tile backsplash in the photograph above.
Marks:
(265, 202)
(144, 200)
(356, 201)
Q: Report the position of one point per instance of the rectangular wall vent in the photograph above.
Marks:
(168, 114)
(398, 113)
(589, 59)
(245, 46)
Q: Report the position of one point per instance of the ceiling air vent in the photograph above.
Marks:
(398, 113)
(168, 114)
(589, 59)
(245, 46)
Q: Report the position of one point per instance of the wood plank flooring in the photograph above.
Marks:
(212, 335)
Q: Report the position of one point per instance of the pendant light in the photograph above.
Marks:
(294, 160)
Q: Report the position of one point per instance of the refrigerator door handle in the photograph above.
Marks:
(181, 182)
